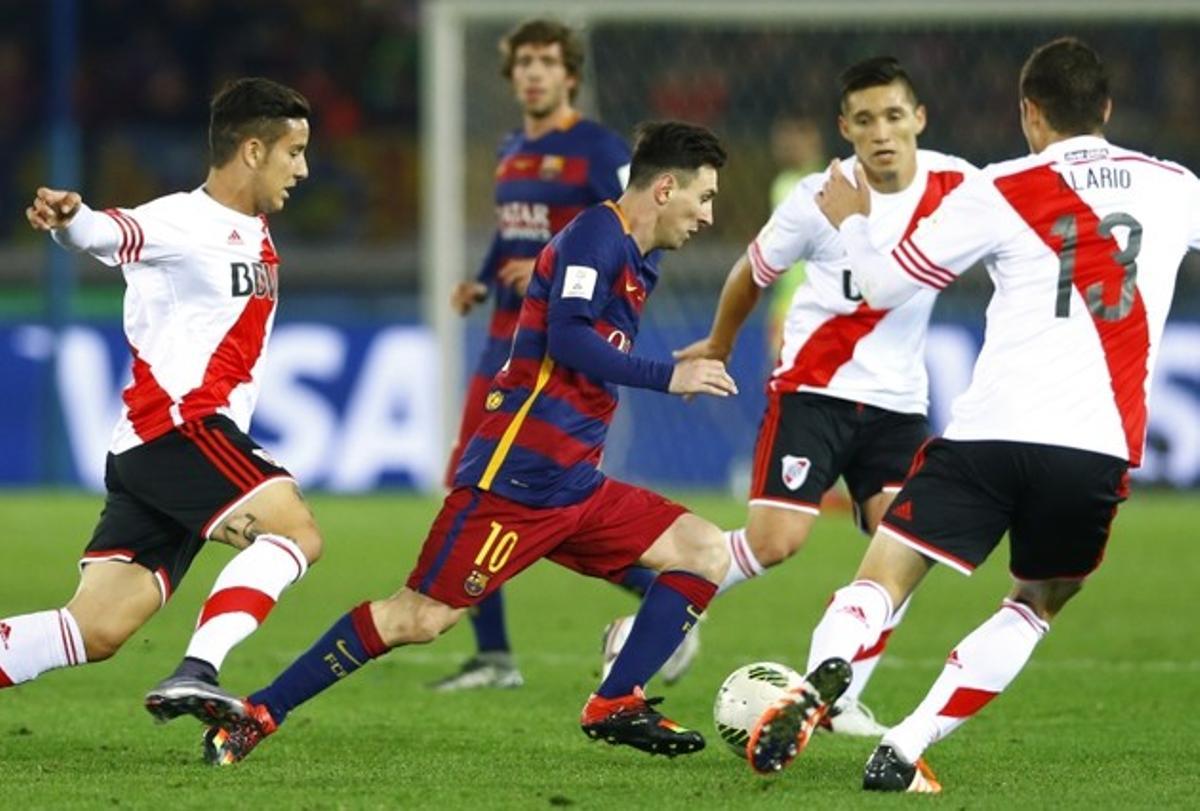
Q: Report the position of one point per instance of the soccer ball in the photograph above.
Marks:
(745, 696)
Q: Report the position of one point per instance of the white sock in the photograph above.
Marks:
(245, 592)
(977, 671)
(863, 664)
(853, 621)
(742, 563)
(31, 644)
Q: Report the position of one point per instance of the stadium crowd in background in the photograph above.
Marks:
(139, 64)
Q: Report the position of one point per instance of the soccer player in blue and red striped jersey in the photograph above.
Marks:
(528, 486)
(553, 167)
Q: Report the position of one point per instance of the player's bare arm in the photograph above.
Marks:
(702, 376)
(466, 295)
(839, 199)
(738, 298)
(52, 208)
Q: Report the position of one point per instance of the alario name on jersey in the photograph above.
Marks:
(1097, 177)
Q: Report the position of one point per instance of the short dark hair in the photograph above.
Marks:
(251, 107)
(543, 31)
(664, 146)
(1067, 81)
(875, 72)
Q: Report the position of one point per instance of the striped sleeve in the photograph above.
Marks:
(122, 236)
(968, 225)
(95, 233)
(133, 236)
(917, 265)
(764, 273)
(797, 231)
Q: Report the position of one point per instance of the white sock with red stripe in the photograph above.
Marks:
(742, 563)
(864, 663)
(853, 621)
(31, 644)
(245, 592)
(977, 671)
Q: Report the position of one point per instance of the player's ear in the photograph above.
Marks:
(844, 128)
(919, 115)
(1030, 112)
(664, 186)
(253, 151)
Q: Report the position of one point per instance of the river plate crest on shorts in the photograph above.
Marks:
(795, 471)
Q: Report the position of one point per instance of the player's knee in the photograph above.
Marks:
(702, 549)
(282, 511)
(102, 637)
(303, 531)
(1047, 597)
(310, 542)
(773, 545)
(409, 620)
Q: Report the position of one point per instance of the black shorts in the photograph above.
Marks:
(806, 441)
(1056, 504)
(166, 496)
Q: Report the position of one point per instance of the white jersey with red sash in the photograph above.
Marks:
(1083, 242)
(201, 287)
(834, 344)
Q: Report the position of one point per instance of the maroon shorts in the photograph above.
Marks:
(479, 539)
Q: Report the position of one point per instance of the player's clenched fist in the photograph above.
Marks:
(466, 295)
(839, 198)
(52, 208)
(702, 376)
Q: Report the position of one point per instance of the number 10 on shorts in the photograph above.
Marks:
(497, 549)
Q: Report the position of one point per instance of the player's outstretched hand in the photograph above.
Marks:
(838, 198)
(52, 208)
(516, 273)
(704, 348)
(466, 295)
(702, 376)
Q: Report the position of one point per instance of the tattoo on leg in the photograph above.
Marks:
(249, 531)
(241, 528)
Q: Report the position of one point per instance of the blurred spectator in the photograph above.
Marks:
(798, 149)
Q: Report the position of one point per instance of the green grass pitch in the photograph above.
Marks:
(1105, 716)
